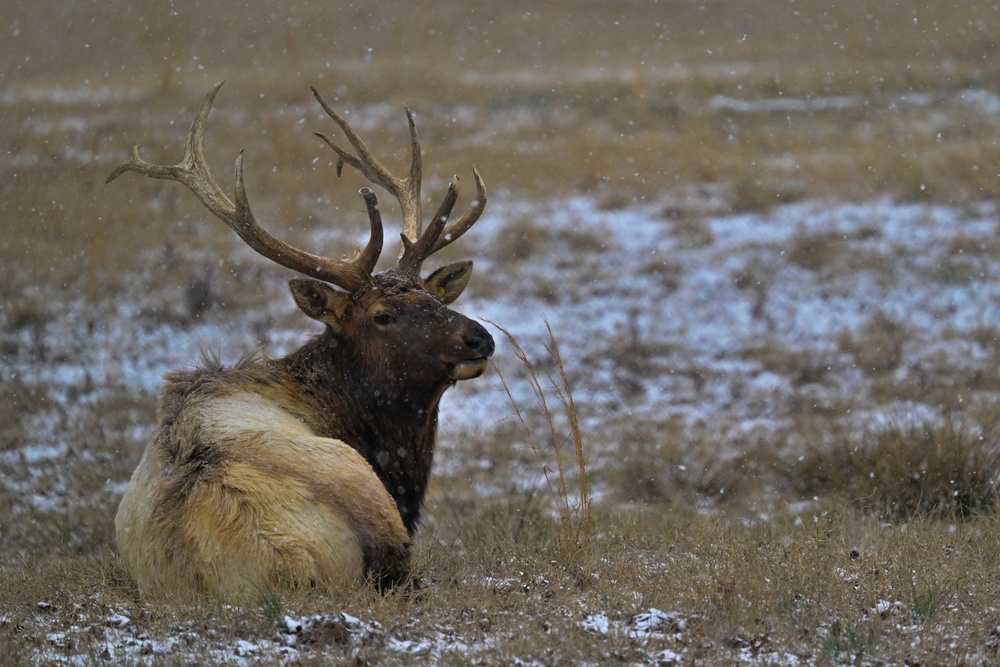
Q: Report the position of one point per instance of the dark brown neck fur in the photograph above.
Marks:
(392, 425)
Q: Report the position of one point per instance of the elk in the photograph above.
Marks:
(307, 470)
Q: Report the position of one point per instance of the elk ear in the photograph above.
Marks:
(449, 281)
(318, 300)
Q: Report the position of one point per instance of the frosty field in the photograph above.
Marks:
(766, 240)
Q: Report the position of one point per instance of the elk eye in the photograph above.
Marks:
(384, 319)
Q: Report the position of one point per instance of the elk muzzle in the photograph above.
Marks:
(473, 348)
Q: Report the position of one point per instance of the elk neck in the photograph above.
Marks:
(393, 425)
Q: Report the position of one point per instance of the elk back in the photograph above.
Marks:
(235, 497)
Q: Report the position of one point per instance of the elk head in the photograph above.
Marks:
(396, 324)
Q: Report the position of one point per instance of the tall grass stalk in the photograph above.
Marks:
(574, 512)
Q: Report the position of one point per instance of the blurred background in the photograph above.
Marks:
(756, 226)
(764, 234)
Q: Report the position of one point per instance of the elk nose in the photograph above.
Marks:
(479, 340)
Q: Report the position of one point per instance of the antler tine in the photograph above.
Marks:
(437, 236)
(469, 218)
(415, 252)
(369, 257)
(415, 246)
(194, 172)
(447, 204)
(405, 190)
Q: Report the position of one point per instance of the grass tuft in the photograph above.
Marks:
(877, 346)
(937, 468)
(848, 642)
(925, 603)
(574, 509)
(270, 606)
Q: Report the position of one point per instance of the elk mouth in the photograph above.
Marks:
(468, 368)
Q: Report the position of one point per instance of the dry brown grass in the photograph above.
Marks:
(836, 588)
(943, 469)
(877, 346)
(893, 560)
(561, 429)
(614, 100)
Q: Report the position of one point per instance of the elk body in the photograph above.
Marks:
(311, 469)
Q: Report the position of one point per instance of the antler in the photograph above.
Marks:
(193, 171)
(416, 246)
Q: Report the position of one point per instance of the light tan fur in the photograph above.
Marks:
(271, 506)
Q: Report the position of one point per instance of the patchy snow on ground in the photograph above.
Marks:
(653, 326)
(658, 317)
(650, 324)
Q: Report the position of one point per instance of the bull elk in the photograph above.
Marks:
(310, 469)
